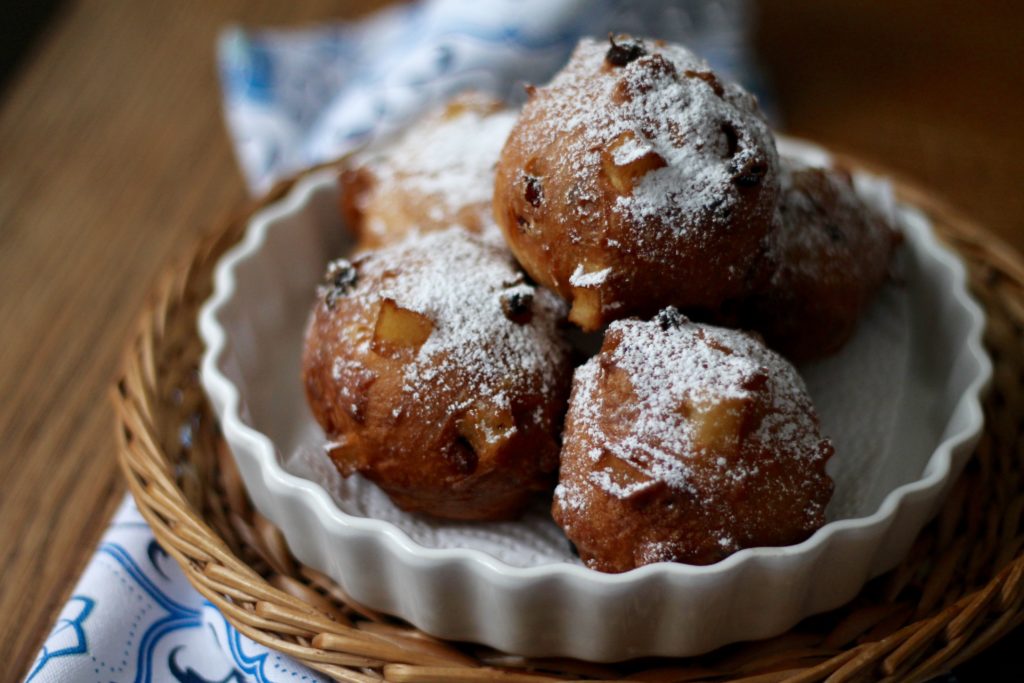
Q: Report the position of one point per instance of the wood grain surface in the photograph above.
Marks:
(114, 158)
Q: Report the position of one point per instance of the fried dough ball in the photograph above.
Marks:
(832, 254)
(685, 443)
(439, 173)
(638, 179)
(438, 373)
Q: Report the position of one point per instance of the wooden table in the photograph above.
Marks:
(113, 159)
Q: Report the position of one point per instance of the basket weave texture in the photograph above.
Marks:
(959, 590)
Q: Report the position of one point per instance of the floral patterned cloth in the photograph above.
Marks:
(293, 98)
(134, 617)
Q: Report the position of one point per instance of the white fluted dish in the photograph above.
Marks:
(252, 328)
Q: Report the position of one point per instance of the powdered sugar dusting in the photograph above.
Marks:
(581, 278)
(685, 366)
(458, 282)
(450, 157)
(630, 151)
(704, 130)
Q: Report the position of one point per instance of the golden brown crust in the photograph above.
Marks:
(686, 443)
(831, 253)
(440, 375)
(439, 173)
(629, 187)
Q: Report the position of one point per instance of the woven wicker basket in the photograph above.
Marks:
(958, 591)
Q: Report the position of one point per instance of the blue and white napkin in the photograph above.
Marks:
(300, 97)
(134, 617)
(293, 98)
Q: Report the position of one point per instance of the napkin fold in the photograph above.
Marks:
(135, 617)
(298, 97)
(302, 97)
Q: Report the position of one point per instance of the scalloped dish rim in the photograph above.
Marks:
(226, 399)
